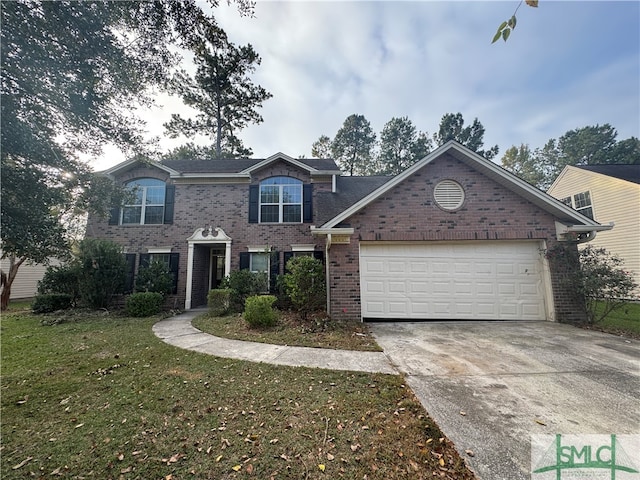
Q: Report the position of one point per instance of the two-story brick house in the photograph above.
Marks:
(453, 237)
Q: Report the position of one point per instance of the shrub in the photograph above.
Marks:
(61, 279)
(244, 283)
(51, 302)
(259, 311)
(595, 275)
(103, 272)
(305, 284)
(144, 304)
(156, 277)
(219, 301)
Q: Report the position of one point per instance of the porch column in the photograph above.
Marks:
(187, 302)
(227, 258)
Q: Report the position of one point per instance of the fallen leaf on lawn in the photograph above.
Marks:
(355, 447)
(273, 441)
(236, 468)
(121, 456)
(218, 458)
(79, 425)
(22, 463)
(174, 458)
(23, 401)
(125, 470)
(249, 469)
(463, 413)
(321, 467)
(540, 422)
(330, 457)
(469, 452)
(429, 440)
(169, 477)
(441, 462)
(414, 465)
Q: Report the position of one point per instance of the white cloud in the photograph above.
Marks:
(567, 65)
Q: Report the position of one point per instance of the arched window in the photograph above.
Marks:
(147, 207)
(280, 200)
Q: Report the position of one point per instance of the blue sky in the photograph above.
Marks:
(567, 65)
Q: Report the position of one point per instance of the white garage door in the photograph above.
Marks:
(453, 281)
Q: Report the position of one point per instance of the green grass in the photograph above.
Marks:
(625, 320)
(101, 397)
(291, 331)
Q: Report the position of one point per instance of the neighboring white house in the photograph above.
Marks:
(25, 284)
(607, 193)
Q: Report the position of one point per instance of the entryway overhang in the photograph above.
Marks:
(206, 236)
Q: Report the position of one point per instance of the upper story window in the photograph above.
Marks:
(580, 202)
(148, 205)
(280, 200)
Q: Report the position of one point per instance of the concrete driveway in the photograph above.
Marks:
(491, 385)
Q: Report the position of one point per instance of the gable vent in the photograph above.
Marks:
(448, 194)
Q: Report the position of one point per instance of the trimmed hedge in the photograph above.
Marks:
(144, 304)
(259, 311)
(51, 302)
(219, 301)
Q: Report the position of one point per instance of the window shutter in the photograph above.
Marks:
(245, 260)
(287, 256)
(274, 270)
(307, 205)
(254, 192)
(169, 199)
(174, 262)
(130, 259)
(318, 255)
(114, 215)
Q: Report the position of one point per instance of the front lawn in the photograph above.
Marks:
(623, 321)
(101, 397)
(313, 332)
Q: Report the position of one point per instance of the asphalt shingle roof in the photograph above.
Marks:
(630, 173)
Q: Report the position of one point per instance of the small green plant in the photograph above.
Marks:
(219, 301)
(305, 284)
(596, 277)
(156, 277)
(61, 279)
(144, 304)
(259, 312)
(51, 302)
(244, 283)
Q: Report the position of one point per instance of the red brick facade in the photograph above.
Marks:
(407, 212)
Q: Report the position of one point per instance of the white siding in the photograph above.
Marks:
(613, 200)
(25, 284)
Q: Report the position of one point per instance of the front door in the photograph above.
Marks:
(216, 267)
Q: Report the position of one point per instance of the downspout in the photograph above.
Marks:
(327, 247)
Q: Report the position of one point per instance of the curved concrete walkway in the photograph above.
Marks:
(179, 332)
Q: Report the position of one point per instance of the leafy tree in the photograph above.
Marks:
(156, 278)
(305, 284)
(591, 145)
(190, 151)
(102, 272)
(321, 148)
(353, 145)
(524, 163)
(222, 92)
(71, 74)
(472, 136)
(401, 145)
(596, 277)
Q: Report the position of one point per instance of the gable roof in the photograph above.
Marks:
(235, 167)
(630, 173)
(510, 181)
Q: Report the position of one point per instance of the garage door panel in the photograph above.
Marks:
(460, 280)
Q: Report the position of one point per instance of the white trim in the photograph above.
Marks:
(303, 247)
(259, 249)
(158, 250)
(128, 163)
(275, 158)
(205, 236)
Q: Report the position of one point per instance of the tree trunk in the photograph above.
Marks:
(7, 280)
